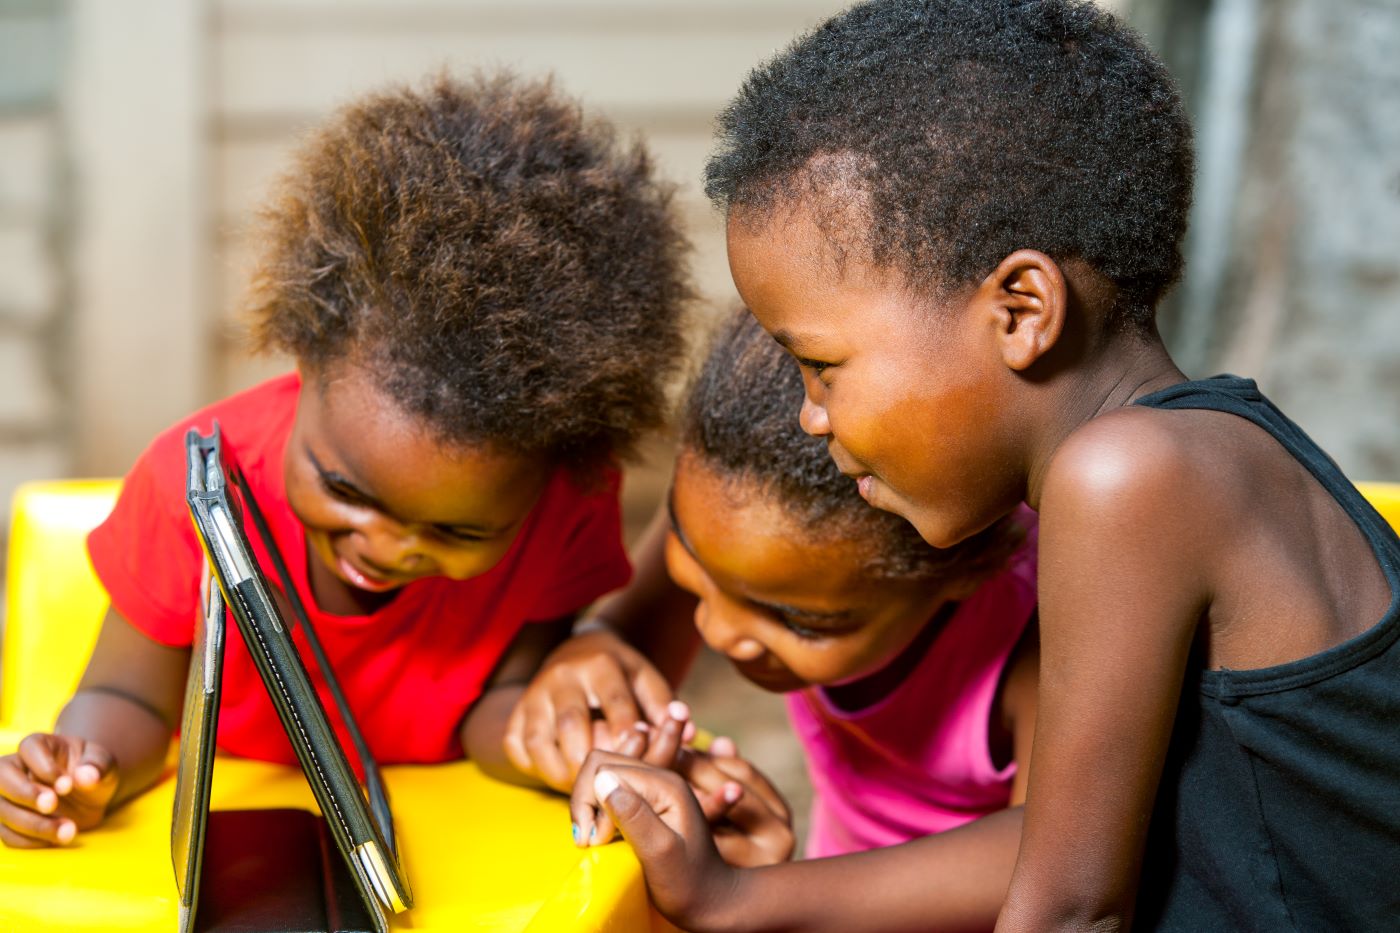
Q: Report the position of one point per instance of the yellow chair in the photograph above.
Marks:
(1386, 498)
(54, 604)
(481, 855)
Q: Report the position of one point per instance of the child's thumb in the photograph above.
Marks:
(95, 763)
(633, 813)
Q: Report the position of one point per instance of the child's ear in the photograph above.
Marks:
(1028, 298)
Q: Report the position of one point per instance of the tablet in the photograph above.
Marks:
(356, 822)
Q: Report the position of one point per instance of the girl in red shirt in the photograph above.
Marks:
(482, 292)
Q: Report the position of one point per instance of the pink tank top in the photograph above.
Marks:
(918, 761)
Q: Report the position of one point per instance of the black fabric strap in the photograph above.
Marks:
(378, 794)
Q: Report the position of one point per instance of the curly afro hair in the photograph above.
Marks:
(740, 420)
(954, 132)
(511, 274)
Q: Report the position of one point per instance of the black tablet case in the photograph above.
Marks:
(269, 871)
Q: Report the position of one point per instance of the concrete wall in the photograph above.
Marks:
(1293, 272)
(34, 226)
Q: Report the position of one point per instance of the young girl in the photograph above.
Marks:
(959, 217)
(910, 672)
(482, 292)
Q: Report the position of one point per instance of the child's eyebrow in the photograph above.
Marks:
(836, 617)
(785, 339)
(811, 615)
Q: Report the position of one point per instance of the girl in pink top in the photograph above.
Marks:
(924, 758)
(910, 671)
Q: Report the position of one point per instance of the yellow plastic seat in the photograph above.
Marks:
(1386, 498)
(481, 855)
(54, 604)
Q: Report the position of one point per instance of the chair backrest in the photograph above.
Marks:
(1386, 498)
(54, 604)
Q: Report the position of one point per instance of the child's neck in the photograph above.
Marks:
(856, 695)
(1125, 368)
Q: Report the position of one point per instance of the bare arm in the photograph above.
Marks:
(108, 746)
(652, 614)
(129, 701)
(953, 881)
(1121, 592)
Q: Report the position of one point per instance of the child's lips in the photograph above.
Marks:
(365, 581)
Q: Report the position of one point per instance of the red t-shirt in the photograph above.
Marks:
(410, 670)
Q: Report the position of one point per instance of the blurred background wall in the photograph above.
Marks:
(138, 136)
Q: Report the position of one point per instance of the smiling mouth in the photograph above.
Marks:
(367, 580)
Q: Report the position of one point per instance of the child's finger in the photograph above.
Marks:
(633, 743)
(16, 787)
(47, 830)
(722, 746)
(94, 766)
(737, 769)
(716, 805)
(634, 815)
(573, 724)
(613, 696)
(41, 756)
(666, 739)
(653, 693)
(591, 825)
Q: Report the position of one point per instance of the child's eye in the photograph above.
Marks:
(343, 493)
(461, 534)
(816, 366)
(800, 630)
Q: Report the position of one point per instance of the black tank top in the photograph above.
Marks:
(1279, 806)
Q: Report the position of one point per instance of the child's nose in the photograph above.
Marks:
(723, 633)
(813, 418)
(394, 546)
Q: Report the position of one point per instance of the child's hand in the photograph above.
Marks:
(53, 787)
(552, 729)
(751, 821)
(660, 817)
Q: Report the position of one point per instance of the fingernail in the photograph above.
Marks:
(678, 710)
(688, 733)
(724, 747)
(593, 833)
(88, 775)
(643, 727)
(605, 783)
(46, 801)
(63, 784)
(66, 831)
(578, 833)
(732, 792)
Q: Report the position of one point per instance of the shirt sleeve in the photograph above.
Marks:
(146, 553)
(591, 559)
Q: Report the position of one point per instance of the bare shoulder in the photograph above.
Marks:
(1138, 481)
(1130, 458)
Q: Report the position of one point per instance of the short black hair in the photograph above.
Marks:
(510, 272)
(740, 420)
(963, 130)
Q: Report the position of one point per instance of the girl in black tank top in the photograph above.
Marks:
(1279, 806)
